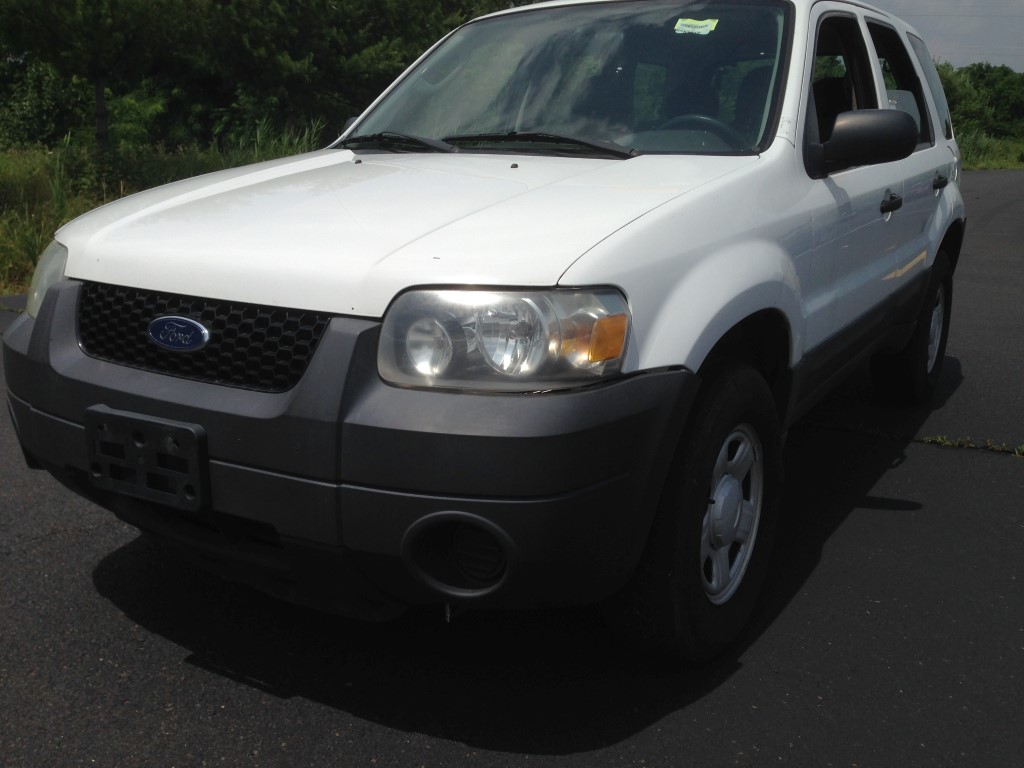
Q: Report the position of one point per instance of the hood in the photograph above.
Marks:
(335, 232)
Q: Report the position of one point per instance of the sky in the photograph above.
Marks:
(966, 31)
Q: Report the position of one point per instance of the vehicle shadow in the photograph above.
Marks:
(553, 682)
(834, 458)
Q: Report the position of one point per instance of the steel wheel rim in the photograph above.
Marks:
(733, 514)
(935, 330)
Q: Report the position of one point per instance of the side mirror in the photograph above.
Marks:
(865, 137)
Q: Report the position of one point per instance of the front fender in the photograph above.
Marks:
(715, 295)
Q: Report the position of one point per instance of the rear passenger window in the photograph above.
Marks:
(901, 81)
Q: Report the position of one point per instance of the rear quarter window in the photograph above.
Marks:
(934, 84)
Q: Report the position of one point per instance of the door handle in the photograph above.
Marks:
(892, 203)
(941, 182)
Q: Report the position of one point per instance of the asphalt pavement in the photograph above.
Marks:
(891, 631)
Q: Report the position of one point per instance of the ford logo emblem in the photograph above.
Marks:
(179, 334)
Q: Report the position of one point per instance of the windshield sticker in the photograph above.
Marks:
(696, 27)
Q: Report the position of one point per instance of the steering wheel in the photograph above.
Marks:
(724, 131)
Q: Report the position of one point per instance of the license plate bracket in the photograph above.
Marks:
(148, 458)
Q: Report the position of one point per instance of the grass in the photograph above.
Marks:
(42, 189)
(981, 152)
(31, 211)
(968, 443)
(23, 235)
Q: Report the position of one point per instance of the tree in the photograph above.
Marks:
(104, 42)
(968, 106)
(985, 98)
(39, 106)
(1003, 91)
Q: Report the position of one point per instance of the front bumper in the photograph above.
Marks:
(356, 496)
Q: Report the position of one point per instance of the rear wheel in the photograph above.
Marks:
(910, 376)
(709, 547)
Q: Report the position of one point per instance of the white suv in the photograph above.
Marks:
(531, 332)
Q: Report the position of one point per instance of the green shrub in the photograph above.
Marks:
(24, 178)
(39, 106)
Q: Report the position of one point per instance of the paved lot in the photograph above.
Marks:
(892, 632)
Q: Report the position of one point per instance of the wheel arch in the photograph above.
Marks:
(763, 341)
(953, 241)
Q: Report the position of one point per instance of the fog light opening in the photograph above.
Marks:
(478, 556)
(458, 556)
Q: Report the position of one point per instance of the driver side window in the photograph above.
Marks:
(842, 76)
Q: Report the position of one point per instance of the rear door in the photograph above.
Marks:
(930, 168)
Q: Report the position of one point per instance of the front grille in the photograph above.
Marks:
(251, 347)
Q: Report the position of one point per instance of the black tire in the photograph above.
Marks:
(910, 376)
(701, 575)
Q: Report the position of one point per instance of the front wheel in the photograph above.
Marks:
(710, 544)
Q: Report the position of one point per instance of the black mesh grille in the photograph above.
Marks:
(253, 347)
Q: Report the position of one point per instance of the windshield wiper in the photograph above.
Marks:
(478, 140)
(396, 142)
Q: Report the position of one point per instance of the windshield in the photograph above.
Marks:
(681, 77)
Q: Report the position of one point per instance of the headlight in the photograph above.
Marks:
(49, 270)
(506, 341)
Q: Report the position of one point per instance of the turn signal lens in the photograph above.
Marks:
(608, 341)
